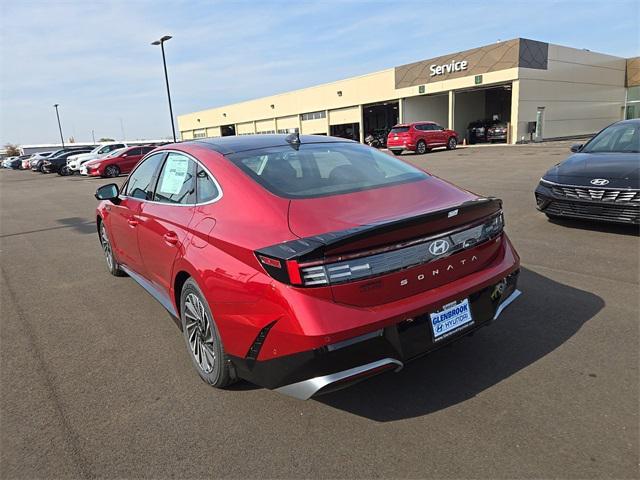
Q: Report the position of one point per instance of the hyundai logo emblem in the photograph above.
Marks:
(439, 247)
(601, 182)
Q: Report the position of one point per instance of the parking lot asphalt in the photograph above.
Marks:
(96, 382)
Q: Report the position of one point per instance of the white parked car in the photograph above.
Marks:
(74, 162)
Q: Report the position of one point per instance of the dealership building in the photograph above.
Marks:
(540, 90)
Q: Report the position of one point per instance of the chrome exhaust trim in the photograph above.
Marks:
(506, 302)
(305, 389)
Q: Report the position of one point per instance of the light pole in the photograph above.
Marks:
(166, 78)
(59, 126)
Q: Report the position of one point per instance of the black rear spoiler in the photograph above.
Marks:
(313, 248)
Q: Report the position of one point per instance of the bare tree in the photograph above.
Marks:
(12, 150)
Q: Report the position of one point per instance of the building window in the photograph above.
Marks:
(199, 134)
(288, 130)
(314, 115)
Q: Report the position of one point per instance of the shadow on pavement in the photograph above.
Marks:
(542, 319)
(80, 225)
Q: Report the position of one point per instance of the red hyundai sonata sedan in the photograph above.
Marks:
(306, 263)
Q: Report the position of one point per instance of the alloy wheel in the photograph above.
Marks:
(111, 171)
(199, 333)
(452, 143)
(106, 247)
(422, 147)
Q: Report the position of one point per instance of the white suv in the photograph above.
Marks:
(74, 162)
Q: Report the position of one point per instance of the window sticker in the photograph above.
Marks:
(175, 174)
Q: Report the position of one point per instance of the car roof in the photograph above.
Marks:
(242, 143)
(631, 121)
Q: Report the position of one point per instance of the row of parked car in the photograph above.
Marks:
(104, 160)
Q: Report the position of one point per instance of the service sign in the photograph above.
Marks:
(453, 66)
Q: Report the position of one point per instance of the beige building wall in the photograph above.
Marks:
(374, 87)
(581, 93)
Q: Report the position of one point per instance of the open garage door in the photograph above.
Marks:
(379, 118)
(227, 130)
(426, 108)
(483, 114)
(346, 130)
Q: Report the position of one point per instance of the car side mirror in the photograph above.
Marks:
(109, 192)
(576, 147)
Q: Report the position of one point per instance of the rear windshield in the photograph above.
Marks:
(316, 170)
(399, 129)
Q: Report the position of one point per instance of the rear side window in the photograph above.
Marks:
(399, 129)
(176, 183)
(140, 183)
(316, 170)
(206, 187)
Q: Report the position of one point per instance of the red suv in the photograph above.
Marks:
(306, 263)
(420, 137)
(122, 161)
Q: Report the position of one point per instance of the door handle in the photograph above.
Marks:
(171, 238)
(133, 222)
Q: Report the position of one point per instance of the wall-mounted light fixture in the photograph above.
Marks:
(224, 114)
(339, 92)
(198, 120)
(272, 106)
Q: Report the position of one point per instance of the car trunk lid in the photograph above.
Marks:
(362, 250)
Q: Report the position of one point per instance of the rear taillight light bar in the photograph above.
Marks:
(293, 270)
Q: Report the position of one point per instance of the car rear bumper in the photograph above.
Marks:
(401, 148)
(343, 363)
(561, 206)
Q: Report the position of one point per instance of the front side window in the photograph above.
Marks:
(316, 170)
(622, 137)
(140, 183)
(176, 183)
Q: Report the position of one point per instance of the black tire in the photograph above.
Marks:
(452, 143)
(112, 264)
(111, 171)
(421, 147)
(397, 152)
(201, 335)
(64, 171)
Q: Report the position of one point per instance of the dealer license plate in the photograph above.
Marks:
(452, 318)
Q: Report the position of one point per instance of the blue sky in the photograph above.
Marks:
(94, 57)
